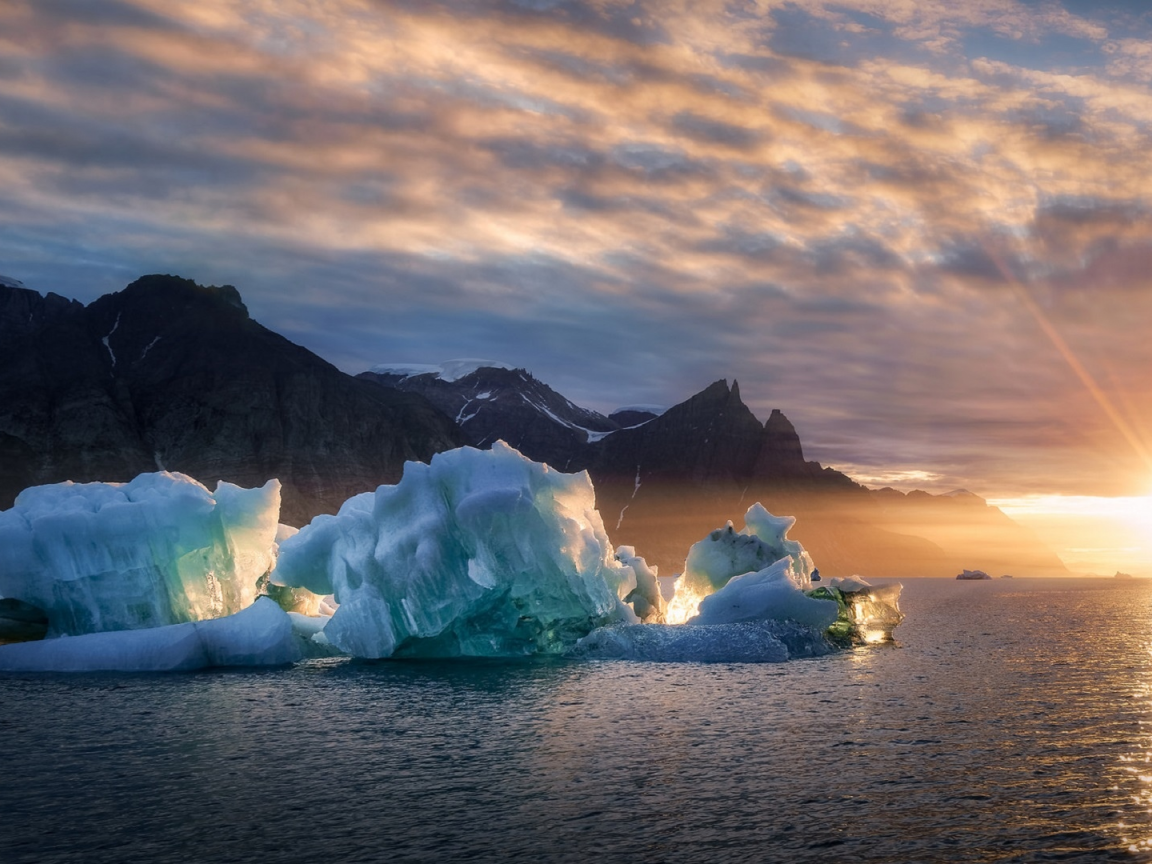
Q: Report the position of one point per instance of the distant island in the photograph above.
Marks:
(973, 574)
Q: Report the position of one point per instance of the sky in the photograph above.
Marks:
(923, 230)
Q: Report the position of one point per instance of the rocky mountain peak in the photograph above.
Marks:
(168, 374)
(778, 424)
(498, 402)
(161, 301)
(22, 308)
(174, 288)
(781, 455)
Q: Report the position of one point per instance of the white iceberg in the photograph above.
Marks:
(767, 594)
(747, 597)
(261, 635)
(645, 599)
(158, 550)
(480, 553)
(726, 553)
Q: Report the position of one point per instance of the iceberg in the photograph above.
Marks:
(645, 599)
(727, 553)
(747, 597)
(478, 554)
(868, 613)
(767, 594)
(261, 635)
(973, 574)
(159, 550)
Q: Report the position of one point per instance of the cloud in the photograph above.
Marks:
(714, 131)
(838, 203)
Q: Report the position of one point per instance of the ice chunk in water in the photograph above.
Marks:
(159, 550)
(480, 553)
(766, 594)
(744, 642)
(260, 635)
(646, 600)
(726, 553)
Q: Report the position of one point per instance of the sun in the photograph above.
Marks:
(1139, 512)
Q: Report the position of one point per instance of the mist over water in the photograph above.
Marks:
(1011, 722)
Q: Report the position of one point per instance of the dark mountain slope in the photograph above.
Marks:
(494, 403)
(169, 374)
(665, 482)
(713, 439)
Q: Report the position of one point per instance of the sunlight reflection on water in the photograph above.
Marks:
(1137, 764)
(1011, 721)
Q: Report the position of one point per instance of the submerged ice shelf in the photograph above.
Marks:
(477, 554)
(261, 635)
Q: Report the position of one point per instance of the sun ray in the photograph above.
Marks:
(1130, 434)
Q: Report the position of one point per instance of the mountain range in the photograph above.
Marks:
(665, 480)
(171, 375)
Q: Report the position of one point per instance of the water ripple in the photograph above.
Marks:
(1012, 723)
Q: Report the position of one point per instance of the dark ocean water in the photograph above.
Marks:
(1011, 722)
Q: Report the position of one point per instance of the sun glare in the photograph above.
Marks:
(1136, 510)
(684, 604)
(1091, 534)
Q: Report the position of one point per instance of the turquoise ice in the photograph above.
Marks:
(480, 554)
(158, 550)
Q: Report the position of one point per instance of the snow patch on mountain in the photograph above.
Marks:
(642, 409)
(451, 370)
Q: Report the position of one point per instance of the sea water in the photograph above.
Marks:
(1011, 721)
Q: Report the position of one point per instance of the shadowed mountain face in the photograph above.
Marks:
(492, 404)
(712, 439)
(668, 480)
(167, 374)
(663, 485)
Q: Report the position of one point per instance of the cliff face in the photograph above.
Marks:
(167, 374)
(492, 404)
(62, 415)
(710, 438)
(663, 485)
(713, 438)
